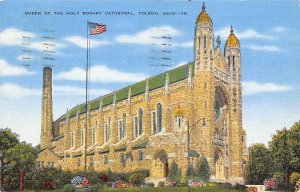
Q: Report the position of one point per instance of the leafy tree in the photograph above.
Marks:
(260, 165)
(294, 146)
(21, 156)
(204, 170)
(281, 153)
(175, 173)
(8, 139)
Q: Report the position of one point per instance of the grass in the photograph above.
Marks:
(169, 189)
(156, 189)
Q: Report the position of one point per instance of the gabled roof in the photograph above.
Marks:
(158, 81)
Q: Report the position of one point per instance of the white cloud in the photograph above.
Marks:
(101, 73)
(279, 29)
(152, 35)
(69, 90)
(81, 42)
(25, 57)
(10, 90)
(246, 34)
(14, 37)
(267, 48)
(8, 70)
(252, 87)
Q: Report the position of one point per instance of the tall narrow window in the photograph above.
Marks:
(154, 122)
(72, 139)
(233, 64)
(82, 137)
(204, 42)
(159, 117)
(140, 121)
(124, 124)
(107, 130)
(93, 135)
(136, 126)
(228, 58)
(120, 129)
(199, 39)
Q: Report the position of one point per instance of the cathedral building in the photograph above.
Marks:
(145, 125)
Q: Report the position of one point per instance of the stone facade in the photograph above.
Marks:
(144, 126)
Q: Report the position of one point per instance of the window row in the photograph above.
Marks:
(138, 126)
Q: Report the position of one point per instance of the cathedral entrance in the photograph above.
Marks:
(160, 166)
(220, 172)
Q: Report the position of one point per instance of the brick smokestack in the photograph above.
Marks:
(47, 114)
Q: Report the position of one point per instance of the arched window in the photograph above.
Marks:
(159, 117)
(204, 42)
(124, 125)
(140, 121)
(107, 130)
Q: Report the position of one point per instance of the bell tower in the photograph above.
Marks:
(47, 114)
(204, 86)
(233, 63)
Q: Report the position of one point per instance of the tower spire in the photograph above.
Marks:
(218, 41)
(203, 6)
(231, 29)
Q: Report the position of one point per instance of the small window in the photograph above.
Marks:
(92, 161)
(204, 42)
(141, 155)
(122, 157)
(179, 122)
(105, 159)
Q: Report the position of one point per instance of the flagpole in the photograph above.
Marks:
(86, 97)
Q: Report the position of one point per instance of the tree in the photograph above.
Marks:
(8, 139)
(21, 156)
(259, 166)
(294, 146)
(281, 153)
(175, 173)
(204, 170)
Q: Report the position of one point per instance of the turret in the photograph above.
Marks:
(47, 114)
(203, 42)
(233, 58)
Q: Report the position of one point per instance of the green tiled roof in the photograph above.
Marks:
(122, 94)
(108, 99)
(178, 73)
(73, 112)
(81, 108)
(157, 81)
(138, 88)
(94, 104)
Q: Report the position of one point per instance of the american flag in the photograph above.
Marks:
(96, 28)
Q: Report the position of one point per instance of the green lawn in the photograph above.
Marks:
(170, 189)
(156, 189)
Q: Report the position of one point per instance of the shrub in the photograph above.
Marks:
(279, 177)
(204, 170)
(175, 173)
(69, 188)
(240, 187)
(294, 177)
(137, 179)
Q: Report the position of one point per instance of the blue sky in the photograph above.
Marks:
(123, 55)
